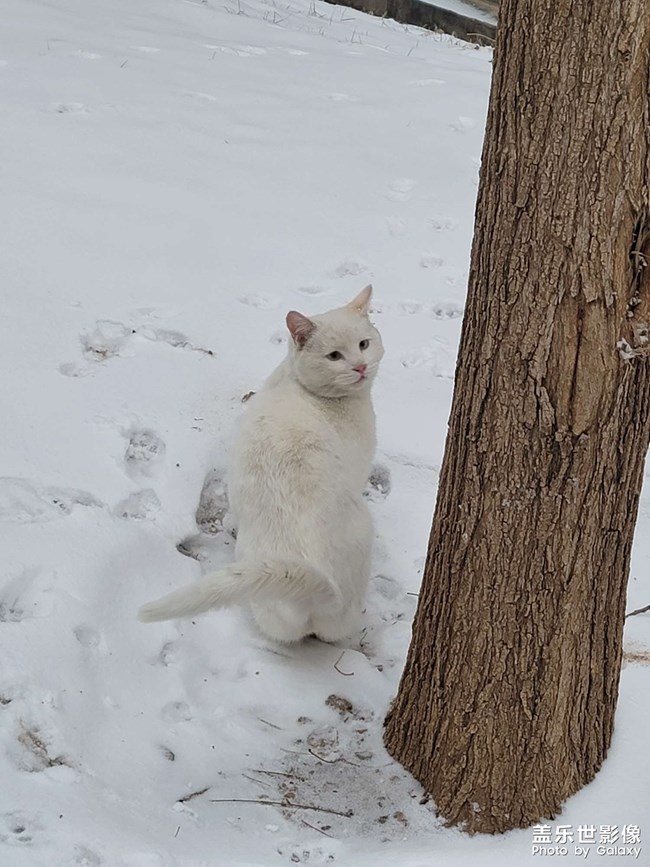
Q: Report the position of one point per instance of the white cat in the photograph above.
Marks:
(300, 463)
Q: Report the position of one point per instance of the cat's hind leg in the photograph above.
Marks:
(282, 621)
(334, 627)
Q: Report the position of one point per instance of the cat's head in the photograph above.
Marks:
(336, 354)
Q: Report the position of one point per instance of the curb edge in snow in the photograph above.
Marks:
(425, 15)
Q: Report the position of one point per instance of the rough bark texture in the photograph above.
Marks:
(506, 705)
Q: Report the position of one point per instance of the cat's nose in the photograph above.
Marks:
(360, 368)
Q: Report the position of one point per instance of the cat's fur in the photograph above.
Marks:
(300, 463)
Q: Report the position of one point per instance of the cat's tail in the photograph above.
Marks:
(273, 580)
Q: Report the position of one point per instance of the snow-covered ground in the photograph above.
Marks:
(175, 177)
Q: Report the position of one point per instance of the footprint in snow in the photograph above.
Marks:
(87, 636)
(442, 224)
(84, 857)
(447, 310)
(75, 370)
(33, 750)
(410, 307)
(27, 595)
(21, 502)
(429, 260)
(213, 503)
(168, 655)
(213, 544)
(165, 335)
(396, 226)
(143, 452)
(259, 300)
(463, 124)
(176, 711)
(194, 547)
(379, 483)
(278, 338)
(455, 279)
(386, 587)
(70, 108)
(400, 190)
(173, 338)
(435, 358)
(302, 853)
(213, 551)
(351, 268)
(323, 741)
(105, 340)
(388, 603)
(211, 513)
(17, 830)
(109, 338)
(168, 754)
(314, 291)
(442, 310)
(138, 506)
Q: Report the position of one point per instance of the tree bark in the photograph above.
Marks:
(506, 705)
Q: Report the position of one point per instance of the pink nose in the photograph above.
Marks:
(360, 368)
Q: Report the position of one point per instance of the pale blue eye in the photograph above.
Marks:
(364, 344)
(334, 356)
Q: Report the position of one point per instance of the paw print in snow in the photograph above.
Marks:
(213, 503)
(144, 450)
(379, 483)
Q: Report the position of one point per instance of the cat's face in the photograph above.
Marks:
(336, 354)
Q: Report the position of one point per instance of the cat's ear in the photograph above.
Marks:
(300, 327)
(361, 304)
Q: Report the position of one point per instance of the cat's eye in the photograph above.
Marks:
(334, 356)
(364, 344)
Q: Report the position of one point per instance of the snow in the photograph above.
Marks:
(176, 176)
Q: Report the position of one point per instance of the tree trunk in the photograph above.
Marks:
(506, 705)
